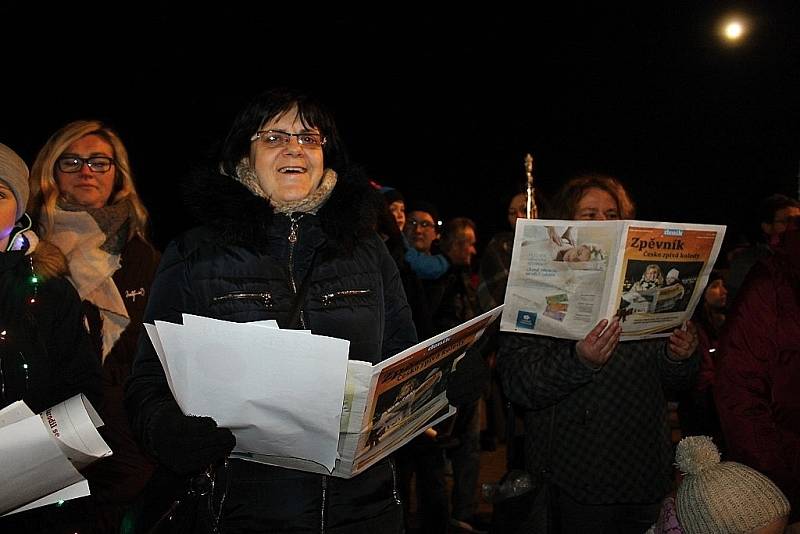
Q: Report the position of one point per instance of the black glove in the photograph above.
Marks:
(470, 377)
(187, 444)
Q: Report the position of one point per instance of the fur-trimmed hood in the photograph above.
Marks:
(215, 200)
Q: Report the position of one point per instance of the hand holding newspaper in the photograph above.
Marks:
(566, 276)
(293, 399)
(40, 454)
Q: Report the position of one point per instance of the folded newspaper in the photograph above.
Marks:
(40, 454)
(566, 276)
(301, 404)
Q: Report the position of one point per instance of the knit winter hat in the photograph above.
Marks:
(672, 275)
(723, 497)
(14, 173)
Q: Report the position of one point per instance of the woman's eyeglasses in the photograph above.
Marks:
(276, 138)
(75, 163)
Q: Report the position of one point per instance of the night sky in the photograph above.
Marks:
(442, 105)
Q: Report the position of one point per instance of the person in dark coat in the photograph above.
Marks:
(595, 411)
(45, 353)
(283, 216)
(758, 370)
(85, 202)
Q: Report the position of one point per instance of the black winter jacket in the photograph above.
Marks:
(46, 357)
(611, 439)
(120, 477)
(45, 352)
(246, 264)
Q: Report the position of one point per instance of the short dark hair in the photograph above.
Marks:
(427, 207)
(570, 194)
(453, 230)
(274, 103)
(772, 204)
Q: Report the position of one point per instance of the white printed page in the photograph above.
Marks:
(662, 274)
(73, 423)
(409, 389)
(558, 276)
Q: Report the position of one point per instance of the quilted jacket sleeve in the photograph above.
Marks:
(399, 332)
(538, 371)
(146, 391)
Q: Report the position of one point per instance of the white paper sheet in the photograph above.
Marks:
(35, 452)
(79, 489)
(256, 381)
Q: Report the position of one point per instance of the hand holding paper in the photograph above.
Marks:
(683, 342)
(599, 344)
(188, 444)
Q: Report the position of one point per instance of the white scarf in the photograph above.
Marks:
(79, 237)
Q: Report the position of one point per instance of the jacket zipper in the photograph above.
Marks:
(324, 504)
(265, 297)
(294, 220)
(395, 493)
(328, 298)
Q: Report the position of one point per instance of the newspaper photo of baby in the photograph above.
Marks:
(567, 247)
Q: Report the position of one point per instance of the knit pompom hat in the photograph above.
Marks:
(723, 497)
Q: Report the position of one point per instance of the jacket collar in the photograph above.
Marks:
(238, 216)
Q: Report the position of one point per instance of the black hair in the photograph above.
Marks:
(427, 207)
(272, 104)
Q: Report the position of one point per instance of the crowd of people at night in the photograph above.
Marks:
(280, 209)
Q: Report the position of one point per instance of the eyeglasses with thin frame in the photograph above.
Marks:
(423, 224)
(277, 138)
(75, 163)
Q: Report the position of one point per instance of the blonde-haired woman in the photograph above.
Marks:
(85, 202)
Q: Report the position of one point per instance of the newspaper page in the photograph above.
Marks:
(566, 276)
(663, 271)
(407, 394)
(390, 403)
(558, 276)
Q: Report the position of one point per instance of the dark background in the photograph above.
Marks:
(440, 104)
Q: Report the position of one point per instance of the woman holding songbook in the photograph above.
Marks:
(285, 233)
(597, 435)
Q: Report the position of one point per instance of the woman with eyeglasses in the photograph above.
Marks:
(85, 202)
(595, 410)
(45, 354)
(286, 233)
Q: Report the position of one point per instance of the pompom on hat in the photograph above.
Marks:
(673, 275)
(14, 173)
(723, 497)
